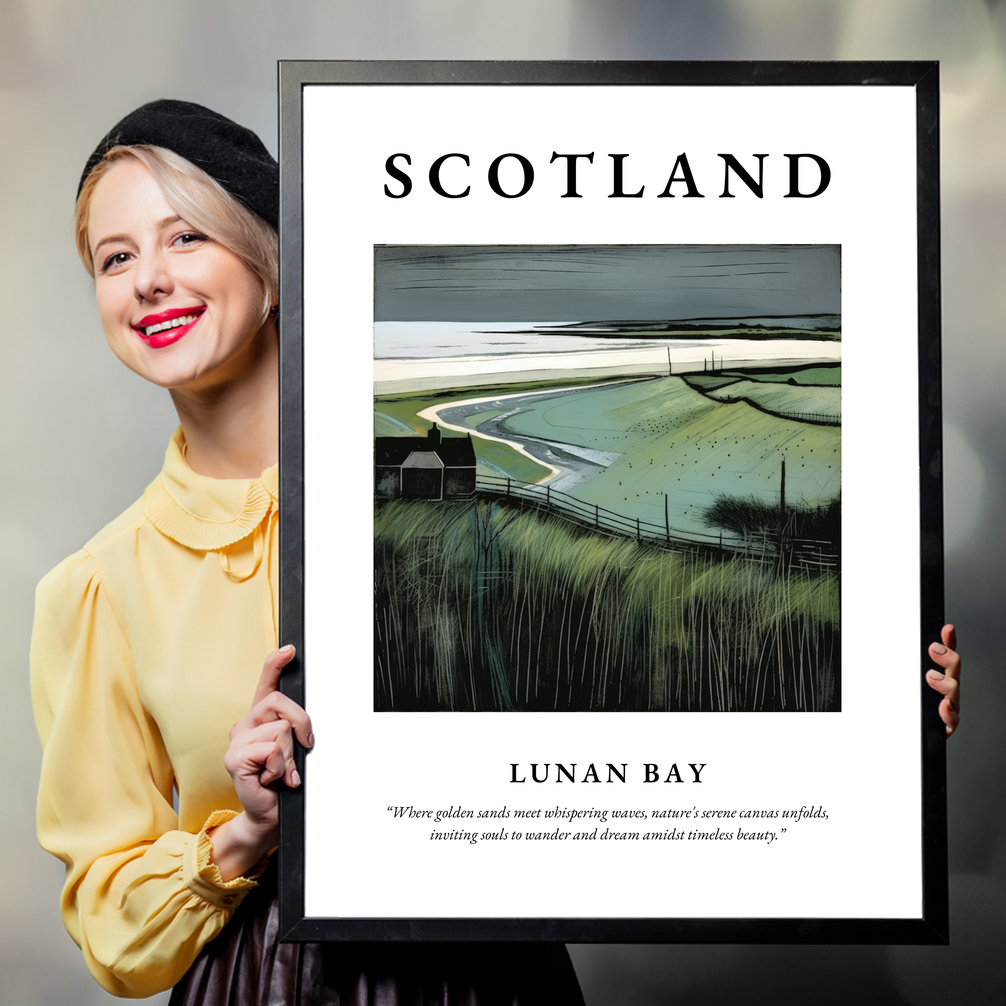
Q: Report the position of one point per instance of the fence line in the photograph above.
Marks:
(819, 418)
(813, 418)
(763, 547)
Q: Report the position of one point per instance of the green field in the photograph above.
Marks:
(785, 399)
(827, 376)
(676, 443)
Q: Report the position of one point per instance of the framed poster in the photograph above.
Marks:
(611, 497)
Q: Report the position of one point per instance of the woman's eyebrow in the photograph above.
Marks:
(160, 225)
(109, 240)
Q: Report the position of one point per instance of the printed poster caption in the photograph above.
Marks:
(598, 824)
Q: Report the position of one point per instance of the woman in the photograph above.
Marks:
(149, 642)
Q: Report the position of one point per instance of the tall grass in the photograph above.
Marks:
(493, 606)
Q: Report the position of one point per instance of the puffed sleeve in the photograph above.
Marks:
(141, 897)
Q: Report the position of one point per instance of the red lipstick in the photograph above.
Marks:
(166, 327)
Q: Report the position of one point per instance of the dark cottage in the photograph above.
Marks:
(433, 468)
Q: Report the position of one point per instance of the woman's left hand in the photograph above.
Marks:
(948, 681)
(259, 756)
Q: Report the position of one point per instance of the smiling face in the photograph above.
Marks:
(177, 307)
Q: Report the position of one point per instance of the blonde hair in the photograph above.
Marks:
(199, 200)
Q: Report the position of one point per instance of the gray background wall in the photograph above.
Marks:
(82, 436)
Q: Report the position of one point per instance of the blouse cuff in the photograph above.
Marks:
(202, 876)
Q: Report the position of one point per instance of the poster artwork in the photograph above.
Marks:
(607, 477)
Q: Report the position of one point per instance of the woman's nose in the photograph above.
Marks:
(152, 277)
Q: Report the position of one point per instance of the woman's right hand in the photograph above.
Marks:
(260, 754)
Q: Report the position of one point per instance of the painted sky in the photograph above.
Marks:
(603, 282)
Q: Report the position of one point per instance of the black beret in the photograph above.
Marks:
(230, 154)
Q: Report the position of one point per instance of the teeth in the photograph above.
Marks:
(173, 323)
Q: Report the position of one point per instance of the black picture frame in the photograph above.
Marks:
(930, 923)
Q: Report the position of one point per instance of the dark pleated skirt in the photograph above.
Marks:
(246, 965)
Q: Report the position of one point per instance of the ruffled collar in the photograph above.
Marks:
(203, 513)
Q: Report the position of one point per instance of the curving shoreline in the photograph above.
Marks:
(566, 467)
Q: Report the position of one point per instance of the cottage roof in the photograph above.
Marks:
(454, 452)
(423, 459)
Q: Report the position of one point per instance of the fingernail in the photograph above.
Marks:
(936, 675)
(938, 648)
(310, 740)
(295, 777)
(286, 649)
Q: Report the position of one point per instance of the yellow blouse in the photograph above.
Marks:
(147, 647)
